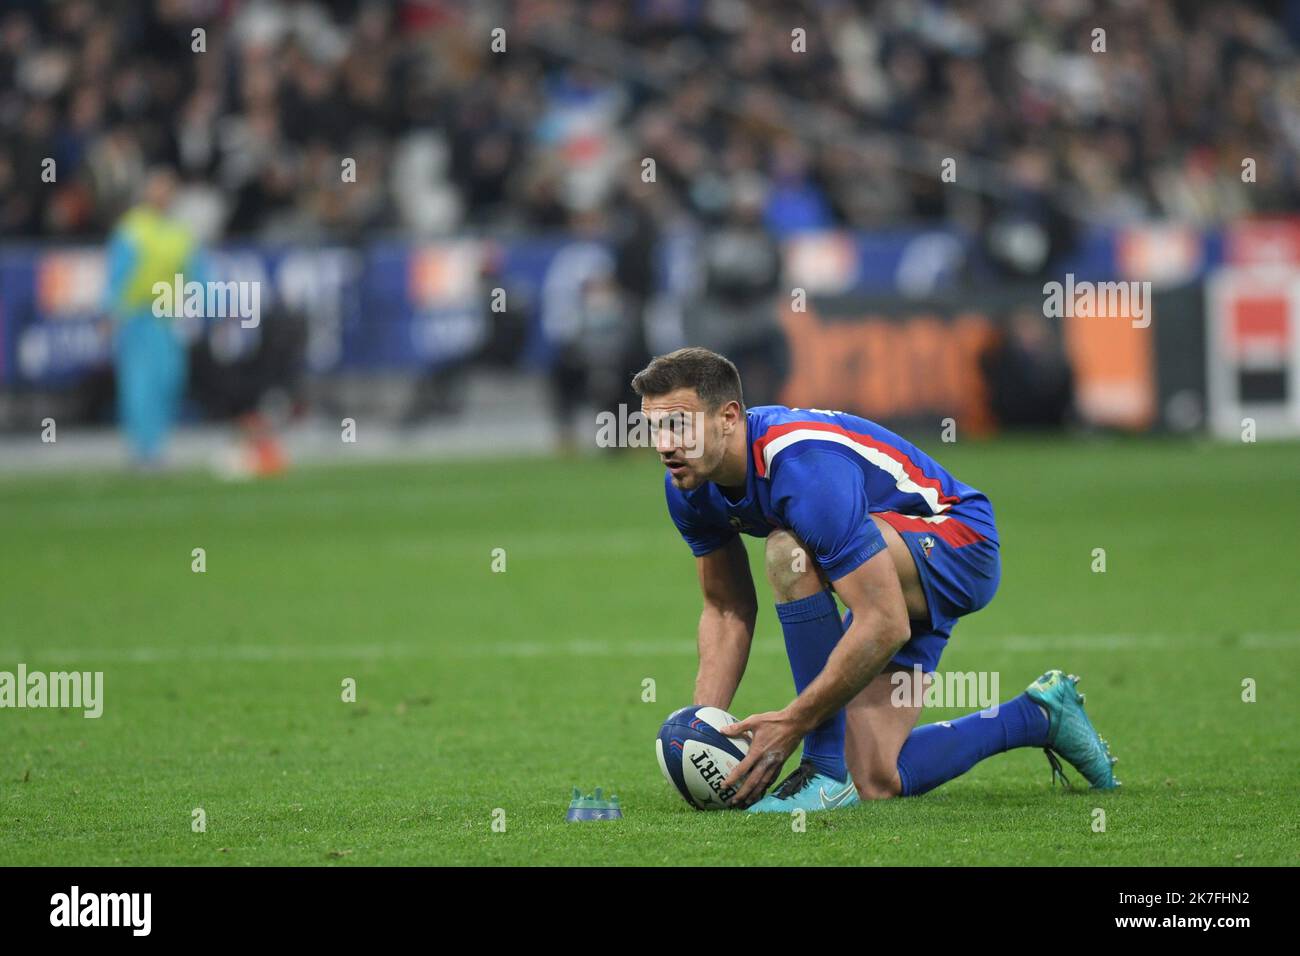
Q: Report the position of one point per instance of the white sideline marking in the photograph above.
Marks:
(1128, 642)
(217, 501)
(239, 653)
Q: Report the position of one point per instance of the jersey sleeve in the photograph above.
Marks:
(700, 532)
(822, 497)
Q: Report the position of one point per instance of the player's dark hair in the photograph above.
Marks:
(713, 377)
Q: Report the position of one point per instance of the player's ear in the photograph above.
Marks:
(731, 413)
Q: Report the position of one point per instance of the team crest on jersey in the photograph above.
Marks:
(737, 523)
(927, 545)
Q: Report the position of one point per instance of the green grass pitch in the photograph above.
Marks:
(480, 691)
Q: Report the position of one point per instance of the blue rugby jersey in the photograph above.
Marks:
(819, 474)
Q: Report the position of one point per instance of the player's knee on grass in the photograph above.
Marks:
(877, 729)
(791, 569)
(878, 783)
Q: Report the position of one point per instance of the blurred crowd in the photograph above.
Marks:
(538, 114)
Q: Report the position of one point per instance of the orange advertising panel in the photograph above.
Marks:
(884, 365)
(1114, 369)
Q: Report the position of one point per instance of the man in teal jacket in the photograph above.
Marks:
(148, 247)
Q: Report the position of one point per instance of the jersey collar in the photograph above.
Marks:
(749, 476)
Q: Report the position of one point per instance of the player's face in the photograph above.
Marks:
(688, 437)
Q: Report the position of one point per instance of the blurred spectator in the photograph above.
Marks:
(149, 247)
(448, 135)
(1029, 378)
(737, 316)
(1025, 233)
(590, 365)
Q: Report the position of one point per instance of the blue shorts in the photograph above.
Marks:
(959, 570)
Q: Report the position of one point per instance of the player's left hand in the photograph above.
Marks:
(776, 735)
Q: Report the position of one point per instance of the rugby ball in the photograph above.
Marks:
(696, 756)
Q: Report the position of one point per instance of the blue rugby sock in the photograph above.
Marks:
(936, 753)
(812, 628)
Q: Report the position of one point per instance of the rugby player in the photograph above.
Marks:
(848, 509)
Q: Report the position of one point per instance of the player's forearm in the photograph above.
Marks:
(724, 641)
(861, 654)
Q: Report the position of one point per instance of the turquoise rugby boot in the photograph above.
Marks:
(807, 789)
(1070, 733)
